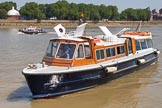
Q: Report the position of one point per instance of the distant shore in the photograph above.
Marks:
(71, 23)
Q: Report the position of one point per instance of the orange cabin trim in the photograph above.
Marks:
(57, 62)
(138, 33)
(133, 45)
(80, 62)
(127, 47)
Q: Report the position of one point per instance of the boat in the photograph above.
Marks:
(75, 62)
(32, 30)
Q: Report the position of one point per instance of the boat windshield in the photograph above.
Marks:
(51, 50)
(66, 51)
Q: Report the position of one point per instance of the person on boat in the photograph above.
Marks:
(67, 51)
(70, 51)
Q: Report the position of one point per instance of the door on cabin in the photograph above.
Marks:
(130, 46)
(83, 55)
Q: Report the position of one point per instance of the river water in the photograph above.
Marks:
(142, 89)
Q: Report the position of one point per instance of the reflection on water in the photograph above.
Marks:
(142, 89)
(20, 94)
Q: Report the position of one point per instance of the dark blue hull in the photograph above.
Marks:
(52, 85)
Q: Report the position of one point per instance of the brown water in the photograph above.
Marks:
(142, 89)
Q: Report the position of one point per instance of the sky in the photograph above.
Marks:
(121, 4)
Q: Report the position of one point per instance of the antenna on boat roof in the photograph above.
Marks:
(139, 26)
(60, 30)
(80, 30)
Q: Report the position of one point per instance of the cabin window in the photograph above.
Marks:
(120, 50)
(100, 54)
(80, 53)
(51, 49)
(66, 50)
(149, 43)
(130, 46)
(110, 52)
(143, 44)
(138, 46)
(87, 51)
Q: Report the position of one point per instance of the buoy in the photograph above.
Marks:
(111, 69)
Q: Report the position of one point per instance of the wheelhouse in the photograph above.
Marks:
(69, 52)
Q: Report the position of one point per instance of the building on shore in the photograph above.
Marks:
(155, 15)
(13, 14)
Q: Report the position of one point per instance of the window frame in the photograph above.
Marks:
(139, 44)
(145, 44)
(77, 52)
(120, 49)
(110, 52)
(54, 56)
(85, 51)
(59, 48)
(100, 54)
(148, 46)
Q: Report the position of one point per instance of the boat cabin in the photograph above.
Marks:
(138, 41)
(82, 50)
(86, 50)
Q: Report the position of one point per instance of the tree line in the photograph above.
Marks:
(63, 10)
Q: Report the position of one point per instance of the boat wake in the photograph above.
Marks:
(20, 33)
(51, 33)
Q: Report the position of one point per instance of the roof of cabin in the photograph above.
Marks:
(107, 43)
(137, 35)
(99, 42)
(70, 38)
